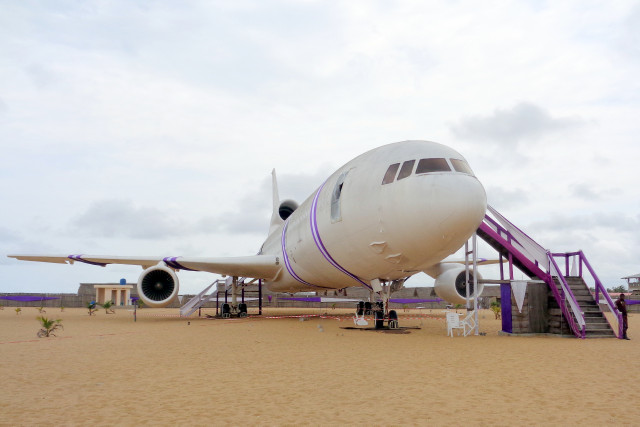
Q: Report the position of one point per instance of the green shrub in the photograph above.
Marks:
(91, 306)
(49, 326)
(107, 307)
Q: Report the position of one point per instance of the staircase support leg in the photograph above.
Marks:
(505, 306)
(260, 297)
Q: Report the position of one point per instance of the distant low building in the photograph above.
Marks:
(633, 282)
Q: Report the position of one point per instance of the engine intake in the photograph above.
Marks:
(158, 286)
(286, 208)
(450, 285)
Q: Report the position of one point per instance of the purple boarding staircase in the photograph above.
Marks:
(573, 304)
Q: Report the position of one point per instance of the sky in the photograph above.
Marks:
(151, 127)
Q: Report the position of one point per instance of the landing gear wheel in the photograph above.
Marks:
(360, 309)
(226, 311)
(393, 320)
(242, 310)
(379, 319)
(367, 308)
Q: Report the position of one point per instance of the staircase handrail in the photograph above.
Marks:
(529, 247)
(578, 314)
(530, 261)
(599, 287)
(196, 302)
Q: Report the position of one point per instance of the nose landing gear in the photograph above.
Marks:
(379, 317)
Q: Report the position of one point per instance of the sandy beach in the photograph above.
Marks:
(167, 370)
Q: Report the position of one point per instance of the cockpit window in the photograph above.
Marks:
(406, 169)
(432, 165)
(390, 175)
(461, 166)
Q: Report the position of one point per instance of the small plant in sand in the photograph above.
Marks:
(62, 308)
(92, 307)
(41, 309)
(140, 303)
(457, 307)
(333, 306)
(405, 307)
(49, 326)
(107, 307)
(18, 310)
(495, 307)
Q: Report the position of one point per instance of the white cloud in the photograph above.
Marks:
(181, 111)
(508, 127)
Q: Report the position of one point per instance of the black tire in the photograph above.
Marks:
(393, 320)
(378, 319)
(226, 310)
(367, 308)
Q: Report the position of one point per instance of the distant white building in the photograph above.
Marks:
(633, 282)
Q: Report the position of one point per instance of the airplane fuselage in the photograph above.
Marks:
(387, 214)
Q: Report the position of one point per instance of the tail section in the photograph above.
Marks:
(281, 210)
(276, 221)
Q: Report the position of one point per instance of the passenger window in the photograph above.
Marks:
(406, 169)
(391, 174)
(432, 165)
(461, 166)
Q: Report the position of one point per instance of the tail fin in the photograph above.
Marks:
(276, 221)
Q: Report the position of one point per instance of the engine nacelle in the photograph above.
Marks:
(286, 208)
(450, 285)
(158, 286)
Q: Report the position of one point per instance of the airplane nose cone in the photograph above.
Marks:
(463, 206)
(442, 212)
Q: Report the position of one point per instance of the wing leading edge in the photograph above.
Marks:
(256, 266)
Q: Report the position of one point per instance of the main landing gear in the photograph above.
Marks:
(379, 318)
(235, 308)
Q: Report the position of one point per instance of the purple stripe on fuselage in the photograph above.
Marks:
(320, 245)
(171, 262)
(79, 258)
(286, 259)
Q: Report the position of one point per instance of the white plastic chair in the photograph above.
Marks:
(360, 320)
(467, 324)
(453, 322)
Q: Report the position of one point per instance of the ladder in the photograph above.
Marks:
(198, 301)
(537, 262)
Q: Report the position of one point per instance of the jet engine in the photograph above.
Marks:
(158, 286)
(450, 285)
(286, 208)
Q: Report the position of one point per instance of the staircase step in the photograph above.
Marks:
(599, 334)
(597, 327)
(593, 319)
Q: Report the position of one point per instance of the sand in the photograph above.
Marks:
(161, 370)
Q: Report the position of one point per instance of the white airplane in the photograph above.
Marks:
(386, 215)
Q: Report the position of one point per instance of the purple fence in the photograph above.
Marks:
(27, 298)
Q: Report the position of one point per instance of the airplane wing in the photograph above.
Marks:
(256, 266)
